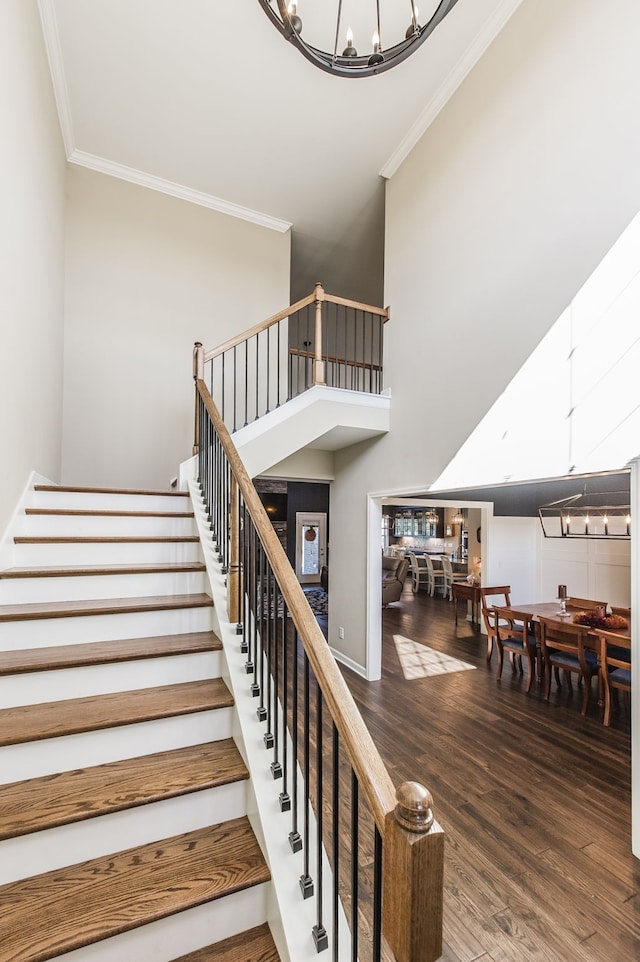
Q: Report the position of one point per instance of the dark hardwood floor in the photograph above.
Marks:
(534, 798)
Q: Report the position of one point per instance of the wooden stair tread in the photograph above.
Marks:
(80, 571)
(101, 606)
(141, 539)
(56, 718)
(50, 914)
(52, 800)
(93, 513)
(254, 945)
(88, 490)
(54, 657)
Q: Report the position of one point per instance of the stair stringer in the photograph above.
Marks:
(291, 918)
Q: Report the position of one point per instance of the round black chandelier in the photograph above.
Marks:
(408, 31)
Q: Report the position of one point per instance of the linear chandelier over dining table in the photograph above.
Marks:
(330, 40)
(605, 514)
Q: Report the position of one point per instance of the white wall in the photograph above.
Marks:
(32, 166)
(146, 276)
(493, 223)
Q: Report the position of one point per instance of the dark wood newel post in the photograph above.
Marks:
(233, 574)
(198, 375)
(318, 364)
(413, 877)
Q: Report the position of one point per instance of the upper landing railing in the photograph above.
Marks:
(319, 340)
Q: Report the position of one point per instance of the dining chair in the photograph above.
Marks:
(564, 649)
(516, 636)
(449, 577)
(585, 604)
(488, 597)
(436, 578)
(623, 612)
(419, 573)
(615, 667)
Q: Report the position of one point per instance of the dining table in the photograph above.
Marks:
(551, 611)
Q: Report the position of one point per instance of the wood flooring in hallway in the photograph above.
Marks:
(534, 798)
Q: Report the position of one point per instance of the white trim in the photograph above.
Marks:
(635, 661)
(355, 666)
(490, 29)
(56, 66)
(6, 540)
(122, 172)
(112, 169)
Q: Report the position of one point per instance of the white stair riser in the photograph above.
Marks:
(16, 635)
(113, 501)
(83, 526)
(184, 932)
(57, 847)
(32, 555)
(18, 591)
(50, 755)
(33, 688)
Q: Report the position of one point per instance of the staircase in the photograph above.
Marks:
(123, 798)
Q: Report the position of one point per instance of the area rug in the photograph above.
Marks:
(419, 661)
(317, 598)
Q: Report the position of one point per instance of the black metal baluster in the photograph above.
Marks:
(354, 866)
(222, 361)
(249, 666)
(294, 836)
(246, 383)
(235, 387)
(274, 662)
(306, 882)
(377, 895)
(319, 932)
(279, 362)
(257, 338)
(257, 688)
(268, 375)
(284, 798)
(244, 514)
(265, 649)
(346, 366)
(380, 353)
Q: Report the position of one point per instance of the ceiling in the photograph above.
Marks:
(205, 100)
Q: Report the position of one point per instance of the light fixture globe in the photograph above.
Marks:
(288, 18)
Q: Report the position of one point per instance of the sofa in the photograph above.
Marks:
(394, 573)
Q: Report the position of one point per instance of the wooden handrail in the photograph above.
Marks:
(258, 328)
(292, 309)
(330, 359)
(372, 775)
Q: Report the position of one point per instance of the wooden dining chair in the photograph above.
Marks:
(564, 649)
(436, 576)
(517, 637)
(615, 667)
(585, 604)
(489, 597)
(419, 573)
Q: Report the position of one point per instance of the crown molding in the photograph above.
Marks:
(56, 66)
(112, 169)
(445, 91)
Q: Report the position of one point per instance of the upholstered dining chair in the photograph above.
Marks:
(615, 667)
(501, 596)
(563, 649)
(516, 636)
(419, 573)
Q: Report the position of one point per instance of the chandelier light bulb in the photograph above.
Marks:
(349, 50)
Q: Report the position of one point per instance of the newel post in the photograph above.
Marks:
(413, 877)
(318, 364)
(198, 375)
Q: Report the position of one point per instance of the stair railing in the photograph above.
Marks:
(336, 795)
(319, 340)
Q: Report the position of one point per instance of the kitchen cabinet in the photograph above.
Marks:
(412, 522)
